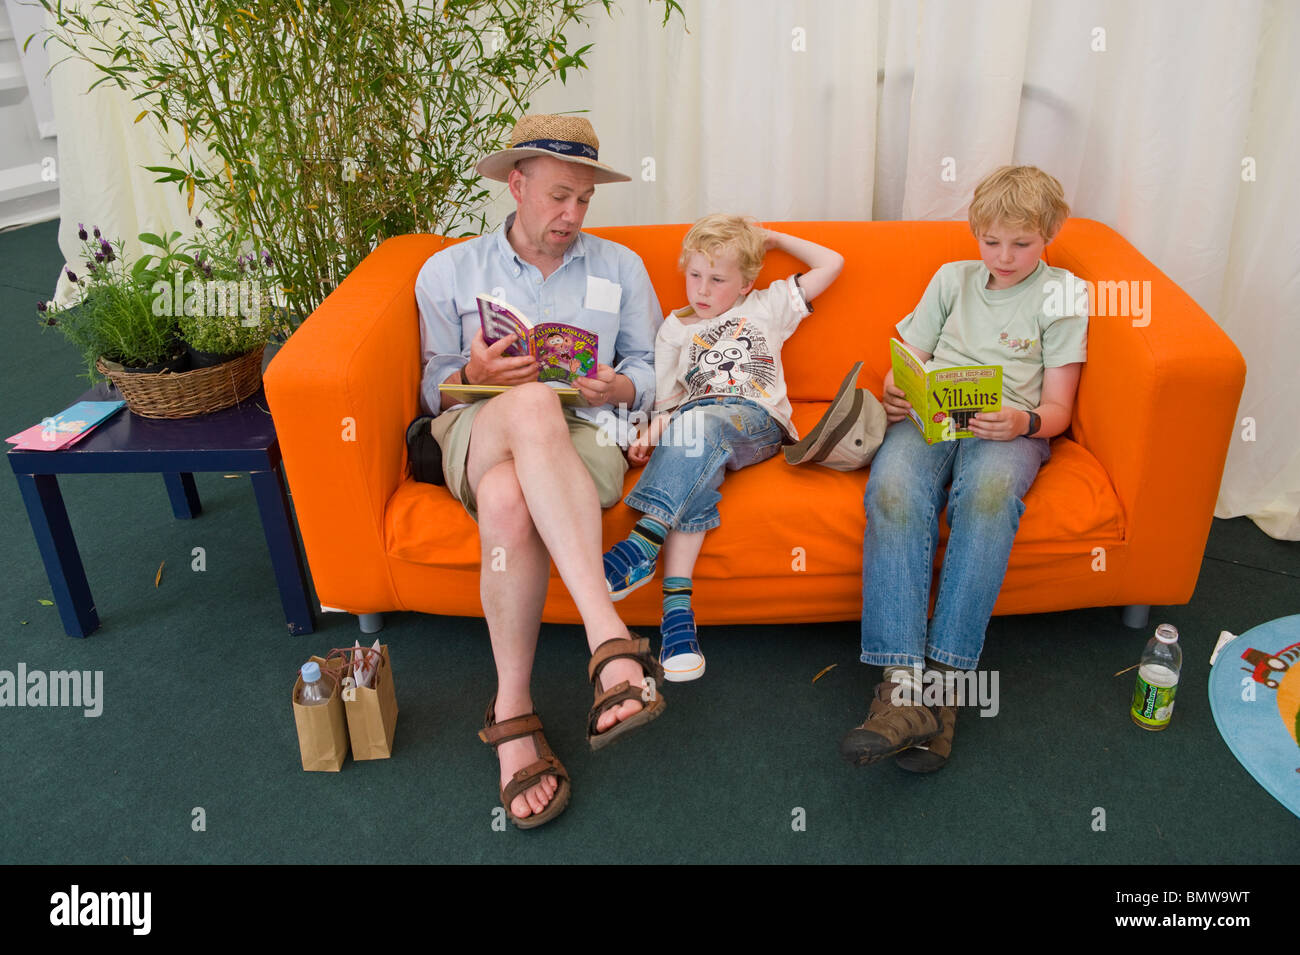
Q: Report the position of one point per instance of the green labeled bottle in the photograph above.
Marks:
(1153, 698)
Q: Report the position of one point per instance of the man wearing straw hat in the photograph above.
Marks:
(533, 473)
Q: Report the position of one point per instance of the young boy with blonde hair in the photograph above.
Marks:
(994, 311)
(720, 404)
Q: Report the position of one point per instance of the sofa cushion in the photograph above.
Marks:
(1071, 508)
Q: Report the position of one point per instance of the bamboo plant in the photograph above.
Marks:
(323, 128)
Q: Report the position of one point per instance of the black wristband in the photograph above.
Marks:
(1035, 423)
(464, 378)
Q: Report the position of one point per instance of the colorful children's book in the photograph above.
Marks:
(563, 352)
(944, 400)
(65, 428)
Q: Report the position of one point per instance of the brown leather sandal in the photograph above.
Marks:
(889, 728)
(547, 764)
(652, 702)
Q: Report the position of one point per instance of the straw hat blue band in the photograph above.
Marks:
(565, 146)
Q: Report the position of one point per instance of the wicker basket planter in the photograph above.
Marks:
(184, 394)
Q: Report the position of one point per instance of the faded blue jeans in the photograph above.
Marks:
(703, 439)
(905, 493)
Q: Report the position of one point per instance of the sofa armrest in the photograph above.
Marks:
(1157, 406)
(342, 391)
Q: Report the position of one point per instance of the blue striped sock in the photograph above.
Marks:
(677, 594)
(648, 537)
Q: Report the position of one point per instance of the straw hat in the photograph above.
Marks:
(849, 433)
(569, 138)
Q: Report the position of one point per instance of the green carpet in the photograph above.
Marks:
(743, 767)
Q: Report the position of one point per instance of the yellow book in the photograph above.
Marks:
(944, 400)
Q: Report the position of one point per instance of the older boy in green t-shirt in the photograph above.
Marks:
(1000, 310)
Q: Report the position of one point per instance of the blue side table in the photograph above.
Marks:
(237, 439)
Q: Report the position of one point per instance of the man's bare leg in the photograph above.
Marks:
(525, 430)
(512, 587)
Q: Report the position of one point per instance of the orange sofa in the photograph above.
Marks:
(1118, 517)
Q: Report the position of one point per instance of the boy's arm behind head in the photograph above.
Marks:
(824, 264)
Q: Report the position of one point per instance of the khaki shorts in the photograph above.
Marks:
(604, 462)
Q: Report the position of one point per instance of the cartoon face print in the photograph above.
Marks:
(724, 363)
(730, 359)
(559, 346)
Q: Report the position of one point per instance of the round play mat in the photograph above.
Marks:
(1255, 698)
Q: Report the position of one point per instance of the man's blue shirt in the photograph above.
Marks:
(448, 284)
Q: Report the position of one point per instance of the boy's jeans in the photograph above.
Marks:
(703, 438)
(905, 493)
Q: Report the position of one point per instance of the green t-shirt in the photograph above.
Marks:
(961, 322)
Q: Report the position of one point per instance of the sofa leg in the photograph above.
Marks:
(1136, 616)
(371, 622)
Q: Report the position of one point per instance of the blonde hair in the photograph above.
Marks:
(718, 233)
(1019, 196)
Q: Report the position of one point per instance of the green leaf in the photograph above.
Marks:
(45, 603)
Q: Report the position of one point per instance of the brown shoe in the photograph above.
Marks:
(889, 728)
(933, 755)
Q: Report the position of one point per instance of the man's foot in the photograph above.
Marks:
(680, 651)
(893, 724)
(519, 754)
(627, 568)
(534, 785)
(627, 681)
(615, 672)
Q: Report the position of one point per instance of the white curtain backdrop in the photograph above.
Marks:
(1176, 122)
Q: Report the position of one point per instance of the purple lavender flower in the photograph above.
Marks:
(105, 247)
(99, 257)
(198, 223)
(72, 276)
(42, 307)
(81, 232)
(97, 232)
(90, 267)
(266, 258)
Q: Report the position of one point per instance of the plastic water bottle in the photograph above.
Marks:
(1153, 698)
(315, 690)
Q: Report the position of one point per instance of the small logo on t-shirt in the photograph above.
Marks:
(1021, 345)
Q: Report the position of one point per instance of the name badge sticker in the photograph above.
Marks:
(603, 295)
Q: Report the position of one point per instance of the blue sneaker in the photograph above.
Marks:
(680, 653)
(626, 569)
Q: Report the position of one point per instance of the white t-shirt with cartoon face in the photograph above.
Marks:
(738, 353)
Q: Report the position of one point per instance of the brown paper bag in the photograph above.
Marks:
(321, 737)
(371, 710)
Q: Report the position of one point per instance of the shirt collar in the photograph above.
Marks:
(577, 250)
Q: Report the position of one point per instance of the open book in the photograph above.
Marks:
(563, 352)
(944, 400)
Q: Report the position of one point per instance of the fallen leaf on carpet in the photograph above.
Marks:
(45, 603)
(157, 580)
(823, 671)
(1126, 669)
